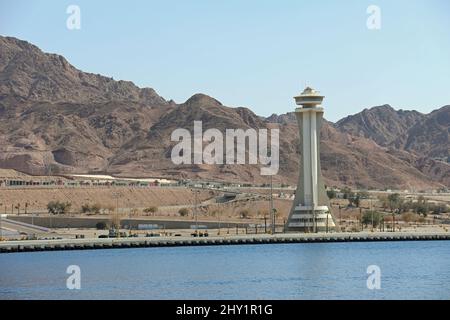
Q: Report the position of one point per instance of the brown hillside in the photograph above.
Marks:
(55, 118)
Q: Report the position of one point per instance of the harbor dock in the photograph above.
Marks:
(114, 243)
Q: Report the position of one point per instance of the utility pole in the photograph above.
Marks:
(1, 230)
(272, 212)
(116, 195)
(360, 219)
(371, 210)
(218, 220)
(32, 213)
(339, 216)
(195, 211)
(372, 220)
(393, 221)
(265, 224)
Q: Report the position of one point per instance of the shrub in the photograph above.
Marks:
(183, 212)
(57, 207)
(347, 193)
(101, 225)
(151, 210)
(369, 215)
(244, 214)
(409, 217)
(438, 208)
(331, 194)
(95, 208)
(394, 201)
(363, 195)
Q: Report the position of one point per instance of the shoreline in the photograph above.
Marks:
(149, 242)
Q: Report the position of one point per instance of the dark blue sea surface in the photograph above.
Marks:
(409, 270)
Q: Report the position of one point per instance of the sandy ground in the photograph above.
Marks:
(110, 198)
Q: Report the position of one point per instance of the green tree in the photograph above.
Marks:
(183, 212)
(384, 201)
(421, 206)
(356, 200)
(331, 194)
(369, 215)
(394, 201)
(95, 208)
(350, 196)
(57, 207)
(347, 193)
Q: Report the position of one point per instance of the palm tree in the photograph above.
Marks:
(18, 208)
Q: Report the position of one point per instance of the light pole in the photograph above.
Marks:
(272, 212)
(393, 221)
(1, 230)
(116, 195)
(195, 211)
(339, 215)
(361, 219)
(370, 207)
(265, 223)
(218, 220)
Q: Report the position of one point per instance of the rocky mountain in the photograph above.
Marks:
(422, 134)
(28, 73)
(430, 136)
(423, 140)
(383, 124)
(55, 118)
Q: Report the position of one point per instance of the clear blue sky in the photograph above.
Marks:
(254, 53)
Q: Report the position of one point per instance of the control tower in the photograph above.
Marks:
(310, 211)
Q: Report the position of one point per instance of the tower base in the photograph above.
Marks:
(302, 220)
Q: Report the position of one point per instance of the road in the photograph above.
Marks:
(11, 227)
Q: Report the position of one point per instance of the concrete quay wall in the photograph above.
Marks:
(110, 243)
